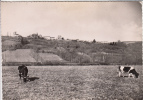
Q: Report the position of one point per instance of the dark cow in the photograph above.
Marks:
(130, 70)
(23, 72)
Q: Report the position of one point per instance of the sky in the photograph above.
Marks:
(102, 21)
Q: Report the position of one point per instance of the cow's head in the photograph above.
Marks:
(136, 75)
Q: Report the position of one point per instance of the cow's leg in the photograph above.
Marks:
(120, 74)
(20, 75)
(24, 79)
(25, 75)
(133, 76)
(28, 78)
(123, 73)
(129, 75)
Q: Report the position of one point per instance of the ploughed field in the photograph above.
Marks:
(71, 83)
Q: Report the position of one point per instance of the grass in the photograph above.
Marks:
(19, 55)
(71, 83)
(28, 55)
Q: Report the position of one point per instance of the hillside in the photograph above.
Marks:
(76, 51)
(18, 55)
(29, 56)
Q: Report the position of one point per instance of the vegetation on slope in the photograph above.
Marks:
(81, 52)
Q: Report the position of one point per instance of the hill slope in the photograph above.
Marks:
(76, 51)
(28, 56)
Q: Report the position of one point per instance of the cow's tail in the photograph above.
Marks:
(18, 67)
(119, 68)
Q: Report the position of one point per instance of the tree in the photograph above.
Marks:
(119, 41)
(24, 41)
(94, 41)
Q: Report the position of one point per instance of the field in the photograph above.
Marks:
(71, 83)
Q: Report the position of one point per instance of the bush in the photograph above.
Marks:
(24, 41)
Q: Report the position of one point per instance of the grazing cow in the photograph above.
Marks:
(130, 70)
(23, 71)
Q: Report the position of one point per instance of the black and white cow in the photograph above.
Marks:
(23, 72)
(130, 70)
